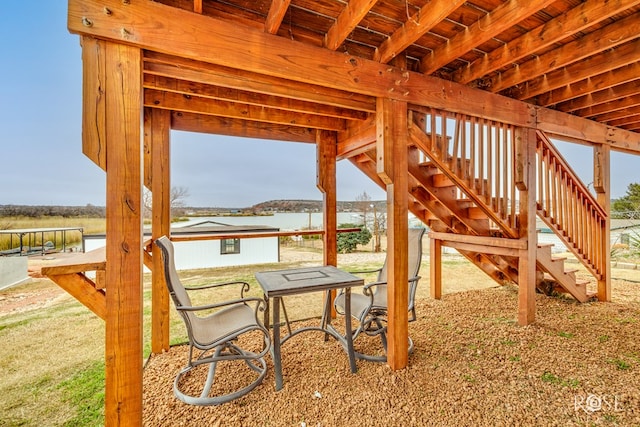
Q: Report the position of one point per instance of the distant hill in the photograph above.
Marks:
(267, 207)
(310, 205)
(287, 205)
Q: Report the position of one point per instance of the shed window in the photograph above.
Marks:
(229, 246)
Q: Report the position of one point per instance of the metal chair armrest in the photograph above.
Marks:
(366, 271)
(244, 286)
(259, 302)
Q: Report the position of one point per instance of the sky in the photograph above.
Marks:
(40, 136)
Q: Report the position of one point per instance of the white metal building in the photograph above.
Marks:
(215, 252)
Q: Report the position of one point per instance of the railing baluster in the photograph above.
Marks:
(506, 171)
(481, 150)
(472, 154)
(490, 164)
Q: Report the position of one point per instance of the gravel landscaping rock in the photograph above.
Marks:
(472, 366)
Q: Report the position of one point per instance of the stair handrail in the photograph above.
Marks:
(585, 237)
(542, 137)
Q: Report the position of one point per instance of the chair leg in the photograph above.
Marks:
(254, 361)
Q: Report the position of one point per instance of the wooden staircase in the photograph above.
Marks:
(463, 180)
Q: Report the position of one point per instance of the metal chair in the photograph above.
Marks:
(370, 307)
(215, 333)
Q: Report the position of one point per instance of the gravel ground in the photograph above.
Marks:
(579, 364)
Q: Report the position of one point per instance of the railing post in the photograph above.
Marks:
(602, 185)
(157, 126)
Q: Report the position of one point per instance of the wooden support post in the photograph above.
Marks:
(326, 183)
(525, 140)
(602, 185)
(157, 126)
(123, 347)
(93, 101)
(435, 268)
(392, 164)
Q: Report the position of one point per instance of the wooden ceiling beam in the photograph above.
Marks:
(573, 128)
(196, 71)
(216, 125)
(359, 137)
(627, 74)
(621, 115)
(253, 98)
(591, 44)
(415, 27)
(197, 6)
(609, 60)
(205, 39)
(625, 122)
(490, 25)
(277, 10)
(577, 19)
(208, 106)
(618, 103)
(154, 26)
(349, 18)
(594, 99)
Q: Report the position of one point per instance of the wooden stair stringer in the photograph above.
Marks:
(499, 268)
(556, 269)
(568, 244)
(446, 197)
(491, 265)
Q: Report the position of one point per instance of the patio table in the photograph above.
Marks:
(280, 283)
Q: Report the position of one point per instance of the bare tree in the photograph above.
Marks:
(177, 200)
(362, 203)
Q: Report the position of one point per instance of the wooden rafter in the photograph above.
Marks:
(307, 64)
(488, 26)
(188, 89)
(593, 43)
(582, 105)
(575, 20)
(192, 122)
(621, 117)
(415, 27)
(351, 15)
(276, 14)
(207, 73)
(604, 80)
(619, 103)
(609, 60)
(208, 106)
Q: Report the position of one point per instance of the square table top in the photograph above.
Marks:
(294, 281)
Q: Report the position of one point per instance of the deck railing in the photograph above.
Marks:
(480, 155)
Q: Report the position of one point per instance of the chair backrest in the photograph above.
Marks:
(176, 289)
(415, 255)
